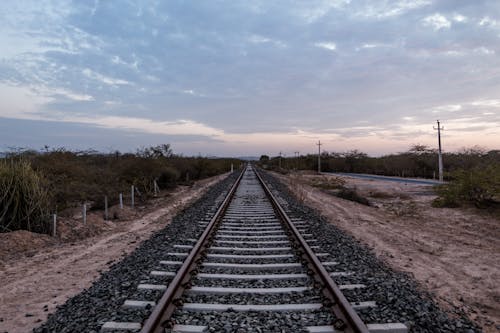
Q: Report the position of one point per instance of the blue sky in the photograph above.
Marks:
(249, 77)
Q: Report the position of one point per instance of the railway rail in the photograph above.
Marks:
(251, 260)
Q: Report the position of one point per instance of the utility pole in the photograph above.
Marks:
(280, 161)
(319, 156)
(440, 154)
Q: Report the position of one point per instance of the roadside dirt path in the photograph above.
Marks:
(453, 253)
(32, 286)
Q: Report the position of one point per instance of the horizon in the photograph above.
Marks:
(47, 149)
(238, 78)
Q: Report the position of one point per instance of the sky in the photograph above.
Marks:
(242, 78)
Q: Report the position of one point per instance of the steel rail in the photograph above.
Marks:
(160, 317)
(347, 318)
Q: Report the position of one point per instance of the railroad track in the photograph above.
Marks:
(253, 266)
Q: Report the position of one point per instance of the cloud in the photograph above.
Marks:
(94, 59)
(483, 50)
(437, 22)
(447, 108)
(388, 9)
(192, 92)
(460, 18)
(311, 12)
(488, 22)
(257, 39)
(104, 79)
(326, 45)
(112, 103)
(144, 125)
(487, 103)
(21, 102)
(69, 94)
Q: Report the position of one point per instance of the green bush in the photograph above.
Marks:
(24, 202)
(477, 186)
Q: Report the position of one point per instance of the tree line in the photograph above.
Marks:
(419, 161)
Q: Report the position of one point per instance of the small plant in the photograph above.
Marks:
(477, 186)
(24, 201)
(352, 195)
(328, 183)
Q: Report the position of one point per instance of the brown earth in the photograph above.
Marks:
(38, 272)
(452, 253)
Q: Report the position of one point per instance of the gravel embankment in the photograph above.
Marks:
(102, 302)
(397, 294)
(250, 201)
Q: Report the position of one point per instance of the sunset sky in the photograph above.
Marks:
(238, 78)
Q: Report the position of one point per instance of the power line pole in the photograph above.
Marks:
(319, 156)
(440, 154)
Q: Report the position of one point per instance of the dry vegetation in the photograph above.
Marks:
(472, 175)
(35, 184)
(451, 252)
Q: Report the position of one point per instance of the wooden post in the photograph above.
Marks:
(155, 186)
(132, 198)
(84, 213)
(54, 225)
(105, 207)
(121, 200)
(232, 169)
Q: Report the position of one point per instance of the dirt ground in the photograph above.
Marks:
(452, 253)
(38, 272)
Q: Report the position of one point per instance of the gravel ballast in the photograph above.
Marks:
(397, 294)
(102, 302)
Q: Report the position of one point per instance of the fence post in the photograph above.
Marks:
(84, 213)
(54, 225)
(232, 168)
(121, 200)
(155, 186)
(105, 207)
(132, 193)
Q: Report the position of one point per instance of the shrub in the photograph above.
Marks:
(73, 177)
(352, 195)
(328, 183)
(24, 201)
(478, 186)
(168, 177)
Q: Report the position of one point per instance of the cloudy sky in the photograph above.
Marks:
(249, 77)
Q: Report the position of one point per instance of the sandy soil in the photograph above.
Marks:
(34, 282)
(452, 253)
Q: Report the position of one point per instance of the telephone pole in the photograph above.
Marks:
(319, 156)
(440, 154)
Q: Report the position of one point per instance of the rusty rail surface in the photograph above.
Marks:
(160, 317)
(347, 318)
